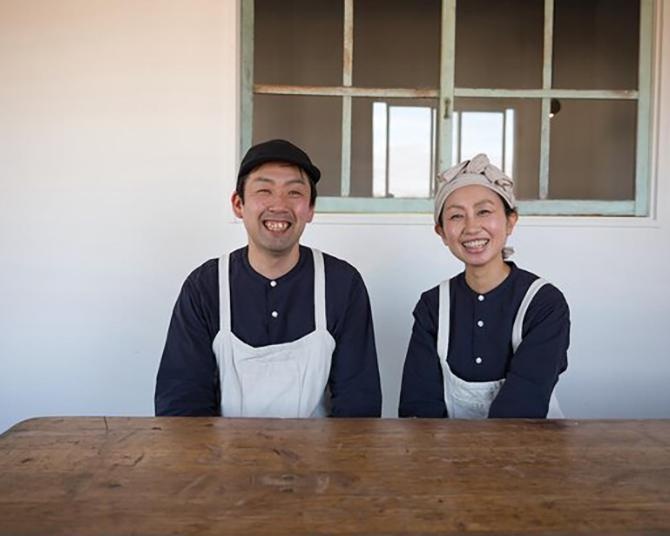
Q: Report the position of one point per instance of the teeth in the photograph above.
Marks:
(474, 244)
(277, 225)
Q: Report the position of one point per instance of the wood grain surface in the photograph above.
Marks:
(94, 476)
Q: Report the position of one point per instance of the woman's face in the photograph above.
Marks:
(475, 227)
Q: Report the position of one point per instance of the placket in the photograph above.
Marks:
(481, 305)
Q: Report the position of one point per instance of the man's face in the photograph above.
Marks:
(276, 208)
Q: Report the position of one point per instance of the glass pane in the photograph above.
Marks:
(393, 147)
(499, 44)
(592, 152)
(596, 44)
(397, 43)
(312, 123)
(298, 42)
(508, 131)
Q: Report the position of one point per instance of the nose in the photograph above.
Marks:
(471, 224)
(278, 203)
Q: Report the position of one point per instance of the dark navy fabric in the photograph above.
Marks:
(188, 381)
(530, 374)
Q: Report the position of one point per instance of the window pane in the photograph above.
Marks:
(312, 123)
(393, 147)
(593, 150)
(508, 131)
(298, 42)
(596, 44)
(499, 43)
(397, 43)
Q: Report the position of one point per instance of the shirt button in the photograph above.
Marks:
(480, 323)
(275, 314)
(273, 283)
(478, 360)
(480, 297)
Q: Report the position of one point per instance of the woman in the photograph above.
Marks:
(491, 341)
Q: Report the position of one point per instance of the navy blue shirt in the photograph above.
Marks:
(188, 378)
(530, 373)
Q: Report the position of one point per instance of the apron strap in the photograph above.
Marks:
(554, 411)
(517, 328)
(443, 320)
(319, 290)
(224, 296)
(224, 355)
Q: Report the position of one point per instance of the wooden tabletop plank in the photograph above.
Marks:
(330, 476)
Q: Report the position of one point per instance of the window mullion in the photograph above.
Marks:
(348, 91)
(347, 68)
(433, 141)
(618, 94)
(387, 152)
(643, 146)
(547, 207)
(446, 100)
(545, 128)
(246, 75)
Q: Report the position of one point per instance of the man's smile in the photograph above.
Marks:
(276, 226)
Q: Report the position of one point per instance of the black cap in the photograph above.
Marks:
(277, 151)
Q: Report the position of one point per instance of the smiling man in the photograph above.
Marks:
(274, 329)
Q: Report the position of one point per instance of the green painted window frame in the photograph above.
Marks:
(447, 92)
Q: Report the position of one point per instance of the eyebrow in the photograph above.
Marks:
(477, 204)
(297, 180)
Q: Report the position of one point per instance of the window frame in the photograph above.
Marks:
(445, 95)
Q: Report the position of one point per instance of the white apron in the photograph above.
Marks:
(279, 380)
(472, 400)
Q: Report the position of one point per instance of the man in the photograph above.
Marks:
(274, 329)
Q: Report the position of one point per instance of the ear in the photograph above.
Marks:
(511, 222)
(440, 232)
(237, 203)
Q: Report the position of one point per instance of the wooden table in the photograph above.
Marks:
(244, 476)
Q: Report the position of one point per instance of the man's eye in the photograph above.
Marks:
(263, 191)
(295, 193)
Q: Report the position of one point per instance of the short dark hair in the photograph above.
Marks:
(241, 181)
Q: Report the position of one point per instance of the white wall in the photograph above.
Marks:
(118, 146)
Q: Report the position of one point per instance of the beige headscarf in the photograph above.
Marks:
(476, 171)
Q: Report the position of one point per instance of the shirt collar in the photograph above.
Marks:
(497, 291)
(288, 276)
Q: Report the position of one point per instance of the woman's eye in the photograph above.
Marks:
(484, 212)
(454, 217)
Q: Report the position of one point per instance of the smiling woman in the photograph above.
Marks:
(492, 341)
(475, 227)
